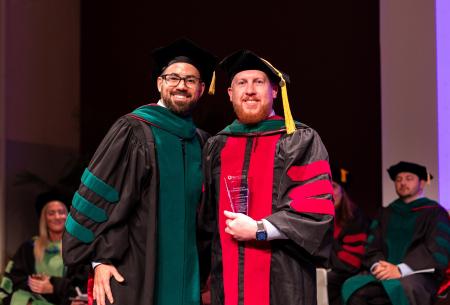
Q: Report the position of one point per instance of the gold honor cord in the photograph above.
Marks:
(212, 86)
(289, 121)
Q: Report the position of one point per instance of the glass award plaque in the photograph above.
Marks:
(238, 192)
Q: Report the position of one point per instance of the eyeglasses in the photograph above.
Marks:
(173, 80)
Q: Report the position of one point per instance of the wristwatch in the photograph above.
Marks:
(261, 233)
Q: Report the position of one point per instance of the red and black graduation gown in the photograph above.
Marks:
(348, 250)
(289, 183)
(417, 234)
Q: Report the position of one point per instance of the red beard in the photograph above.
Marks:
(251, 118)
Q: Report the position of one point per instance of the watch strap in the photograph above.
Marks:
(260, 226)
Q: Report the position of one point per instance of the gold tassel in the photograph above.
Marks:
(344, 175)
(428, 178)
(212, 86)
(289, 121)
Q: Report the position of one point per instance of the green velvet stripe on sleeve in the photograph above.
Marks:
(88, 209)
(443, 227)
(440, 258)
(2, 297)
(443, 243)
(6, 284)
(374, 224)
(78, 231)
(99, 187)
(9, 266)
(370, 239)
(20, 297)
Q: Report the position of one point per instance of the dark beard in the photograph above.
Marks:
(182, 109)
(250, 119)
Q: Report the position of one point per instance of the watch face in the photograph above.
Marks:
(261, 235)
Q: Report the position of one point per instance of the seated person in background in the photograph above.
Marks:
(36, 274)
(350, 236)
(408, 247)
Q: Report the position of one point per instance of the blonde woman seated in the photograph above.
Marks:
(36, 274)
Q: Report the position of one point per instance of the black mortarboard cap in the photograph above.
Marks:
(43, 198)
(247, 60)
(184, 50)
(417, 169)
(340, 175)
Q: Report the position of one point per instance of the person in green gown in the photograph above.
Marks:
(408, 246)
(36, 274)
(134, 214)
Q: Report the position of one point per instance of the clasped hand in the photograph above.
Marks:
(386, 271)
(40, 283)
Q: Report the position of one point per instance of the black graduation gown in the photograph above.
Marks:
(423, 227)
(289, 183)
(125, 160)
(348, 251)
(127, 239)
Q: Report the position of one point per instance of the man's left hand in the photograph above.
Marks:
(240, 226)
(386, 271)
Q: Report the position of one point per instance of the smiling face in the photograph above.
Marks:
(181, 99)
(55, 216)
(408, 186)
(252, 95)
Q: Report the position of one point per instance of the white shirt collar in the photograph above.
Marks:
(161, 103)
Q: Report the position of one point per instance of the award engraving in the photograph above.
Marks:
(238, 192)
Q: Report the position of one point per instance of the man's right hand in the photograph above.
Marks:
(386, 271)
(102, 277)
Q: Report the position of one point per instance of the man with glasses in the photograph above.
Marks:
(134, 215)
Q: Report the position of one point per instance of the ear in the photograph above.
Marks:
(202, 89)
(159, 83)
(230, 93)
(422, 184)
(274, 91)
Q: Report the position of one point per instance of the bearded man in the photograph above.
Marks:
(268, 208)
(408, 246)
(134, 215)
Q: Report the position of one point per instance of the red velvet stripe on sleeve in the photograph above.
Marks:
(349, 259)
(302, 201)
(308, 171)
(315, 188)
(350, 239)
(318, 206)
(354, 249)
